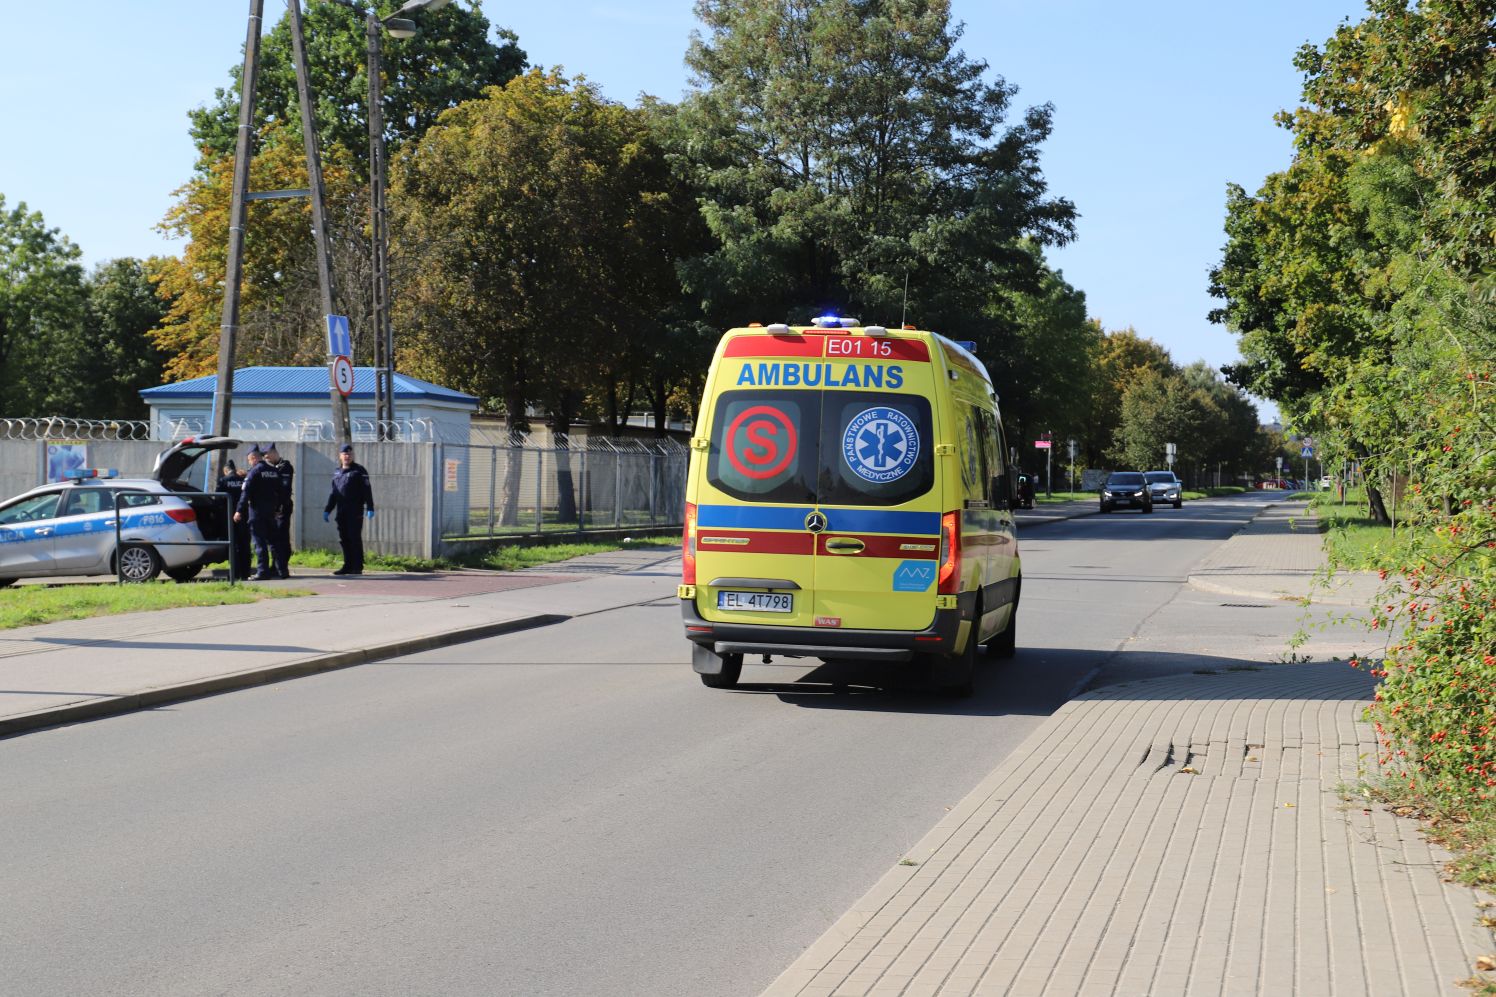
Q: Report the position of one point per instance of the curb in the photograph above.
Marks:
(199, 688)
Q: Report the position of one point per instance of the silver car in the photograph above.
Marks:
(69, 528)
(1165, 488)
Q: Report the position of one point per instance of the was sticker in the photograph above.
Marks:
(880, 445)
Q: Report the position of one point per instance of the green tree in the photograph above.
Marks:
(41, 298)
(1121, 356)
(1049, 361)
(111, 356)
(844, 150)
(281, 311)
(453, 57)
(546, 224)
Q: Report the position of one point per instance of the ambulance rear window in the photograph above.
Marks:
(761, 450)
(876, 448)
(833, 447)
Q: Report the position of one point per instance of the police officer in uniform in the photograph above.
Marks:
(260, 501)
(352, 499)
(232, 485)
(283, 518)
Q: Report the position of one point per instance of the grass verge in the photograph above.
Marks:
(499, 559)
(1355, 541)
(28, 605)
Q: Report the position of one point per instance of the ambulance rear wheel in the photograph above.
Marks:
(956, 674)
(6, 581)
(1005, 644)
(717, 671)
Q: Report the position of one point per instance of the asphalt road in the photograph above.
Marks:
(559, 811)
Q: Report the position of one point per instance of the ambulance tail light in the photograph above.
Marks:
(950, 554)
(182, 515)
(688, 547)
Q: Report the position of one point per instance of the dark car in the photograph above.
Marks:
(1165, 488)
(1126, 490)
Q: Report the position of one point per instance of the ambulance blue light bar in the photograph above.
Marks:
(80, 473)
(967, 345)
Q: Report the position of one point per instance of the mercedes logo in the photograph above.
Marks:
(815, 522)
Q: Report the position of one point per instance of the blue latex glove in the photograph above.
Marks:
(326, 516)
(369, 513)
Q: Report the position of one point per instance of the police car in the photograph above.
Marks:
(68, 528)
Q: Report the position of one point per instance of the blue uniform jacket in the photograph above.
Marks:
(351, 493)
(264, 491)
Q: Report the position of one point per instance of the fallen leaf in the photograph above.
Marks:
(1190, 770)
(1288, 804)
(1485, 963)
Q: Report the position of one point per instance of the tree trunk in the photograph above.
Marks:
(1377, 506)
(566, 491)
(514, 465)
(657, 400)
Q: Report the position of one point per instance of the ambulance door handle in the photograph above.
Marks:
(844, 545)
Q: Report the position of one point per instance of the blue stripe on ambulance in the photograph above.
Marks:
(759, 517)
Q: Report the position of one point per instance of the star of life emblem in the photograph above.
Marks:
(880, 445)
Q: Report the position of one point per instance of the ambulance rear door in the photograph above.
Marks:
(877, 486)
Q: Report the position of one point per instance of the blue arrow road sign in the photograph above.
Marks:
(339, 342)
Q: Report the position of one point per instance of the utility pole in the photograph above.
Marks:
(341, 423)
(384, 346)
(228, 333)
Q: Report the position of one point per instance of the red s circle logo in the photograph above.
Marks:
(761, 442)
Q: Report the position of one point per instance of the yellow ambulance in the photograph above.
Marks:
(849, 500)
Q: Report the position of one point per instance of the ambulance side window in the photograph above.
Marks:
(763, 445)
(983, 454)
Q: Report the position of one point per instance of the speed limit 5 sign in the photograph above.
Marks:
(342, 376)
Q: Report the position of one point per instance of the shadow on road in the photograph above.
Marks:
(1035, 683)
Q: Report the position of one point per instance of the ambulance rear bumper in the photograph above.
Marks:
(818, 642)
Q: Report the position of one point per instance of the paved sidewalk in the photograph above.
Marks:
(48, 674)
(1181, 836)
(1280, 555)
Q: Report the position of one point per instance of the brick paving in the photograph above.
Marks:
(1177, 836)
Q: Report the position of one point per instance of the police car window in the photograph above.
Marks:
(86, 501)
(763, 445)
(876, 448)
(131, 499)
(29, 510)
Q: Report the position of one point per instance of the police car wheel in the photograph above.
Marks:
(1179, 505)
(139, 563)
(184, 574)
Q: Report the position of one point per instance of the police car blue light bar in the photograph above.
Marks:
(79, 473)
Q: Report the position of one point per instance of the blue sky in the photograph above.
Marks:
(1157, 107)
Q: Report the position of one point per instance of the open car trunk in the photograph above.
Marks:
(174, 466)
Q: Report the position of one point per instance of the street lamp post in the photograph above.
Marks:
(399, 26)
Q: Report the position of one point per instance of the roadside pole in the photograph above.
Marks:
(341, 423)
(228, 333)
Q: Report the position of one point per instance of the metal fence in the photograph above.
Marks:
(577, 485)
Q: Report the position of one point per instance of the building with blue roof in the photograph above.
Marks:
(292, 403)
